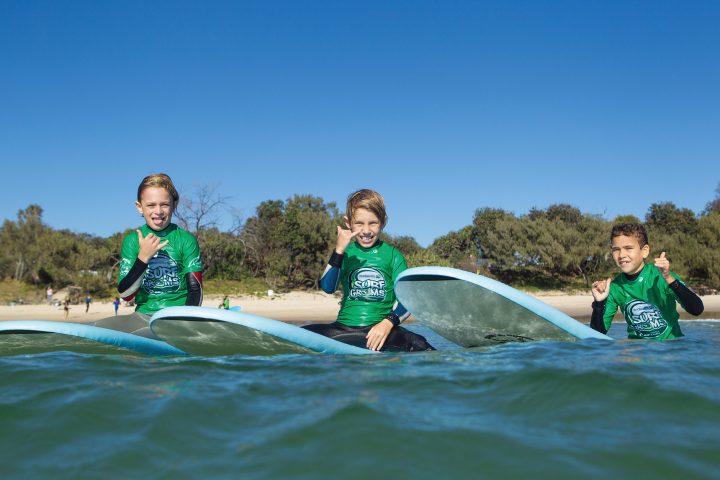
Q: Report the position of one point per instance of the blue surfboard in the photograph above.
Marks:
(38, 336)
(214, 331)
(473, 311)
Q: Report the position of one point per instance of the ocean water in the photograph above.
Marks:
(590, 409)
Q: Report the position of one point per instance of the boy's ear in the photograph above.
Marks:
(347, 221)
(645, 250)
(139, 207)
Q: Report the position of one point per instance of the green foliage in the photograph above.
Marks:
(405, 243)
(714, 205)
(19, 292)
(223, 254)
(309, 236)
(286, 244)
(38, 255)
(248, 286)
(694, 257)
(457, 247)
(626, 219)
(426, 257)
(555, 243)
(667, 218)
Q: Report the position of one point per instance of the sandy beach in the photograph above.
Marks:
(296, 307)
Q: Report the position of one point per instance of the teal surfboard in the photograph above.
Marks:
(18, 337)
(214, 331)
(473, 311)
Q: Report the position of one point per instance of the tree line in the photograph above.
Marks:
(285, 245)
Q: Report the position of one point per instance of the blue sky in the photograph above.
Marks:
(444, 106)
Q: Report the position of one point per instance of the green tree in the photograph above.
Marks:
(714, 205)
(223, 254)
(262, 235)
(426, 257)
(457, 247)
(405, 243)
(288, 242)
(26, 243)
(309, 235)
(667, 218)
(626, 219)
(706, 265)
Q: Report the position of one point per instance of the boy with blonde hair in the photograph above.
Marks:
(367, 267)
(160, 262)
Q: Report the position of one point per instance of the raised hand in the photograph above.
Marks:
(345, 237)
(601, 289)
(663, 264)
(149, 246)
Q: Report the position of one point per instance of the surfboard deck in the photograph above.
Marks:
(213, 331)
(20, 337)
(474, 311)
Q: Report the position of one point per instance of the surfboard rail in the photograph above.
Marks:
(123, 340)
(419, 300)
(281, 332)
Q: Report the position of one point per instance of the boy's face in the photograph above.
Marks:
(156, 207)
(367, 225)
(628, 254)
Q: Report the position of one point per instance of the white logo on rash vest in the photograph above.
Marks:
(367, 284)
(162, 275)
(125, 265)
(645, 318)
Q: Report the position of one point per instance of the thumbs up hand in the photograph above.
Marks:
(663, 264)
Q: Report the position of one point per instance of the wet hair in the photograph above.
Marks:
(369, 200)
(159, 180)
(630, 230)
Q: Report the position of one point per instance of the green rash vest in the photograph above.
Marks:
(163, 283)
(647, 303)
(368, 276)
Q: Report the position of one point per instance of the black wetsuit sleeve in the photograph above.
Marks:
(336, 259)
(331, 275)
(596, 320)
(130, 284)
(195, 291)
(688, 299)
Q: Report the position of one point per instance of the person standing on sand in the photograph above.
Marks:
(49, 293)
(160, 262)
(88, 299)
(116, 304)
(66, 308)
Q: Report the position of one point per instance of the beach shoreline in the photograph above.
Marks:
(299, 307)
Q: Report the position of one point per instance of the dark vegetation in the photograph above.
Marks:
(286, 243)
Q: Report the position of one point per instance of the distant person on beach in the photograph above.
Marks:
(160, 263)
(645, 293)
(49, 294)
(116, 304)
(226, 303)
(367, 268)
(88, 299)
(66, 308)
